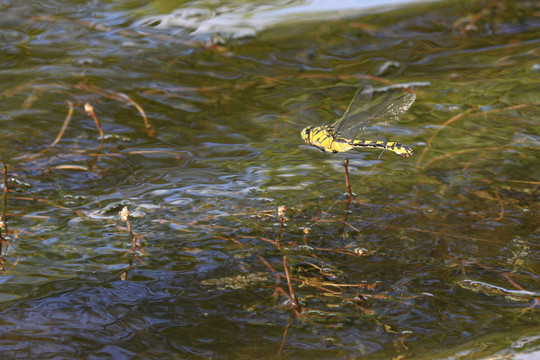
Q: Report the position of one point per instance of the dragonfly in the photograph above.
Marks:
(360, 117)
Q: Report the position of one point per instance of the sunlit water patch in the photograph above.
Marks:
(247, 19)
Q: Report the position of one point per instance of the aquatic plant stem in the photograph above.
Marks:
(472, 23)
(282, 218)
(60, 134)
(345, 164)
(90, 111)
(285, 333)
(64, 125)
(124, 214)
(292, 295)
(117, 96)
(3, 221)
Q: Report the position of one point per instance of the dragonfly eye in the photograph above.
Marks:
(305, 132)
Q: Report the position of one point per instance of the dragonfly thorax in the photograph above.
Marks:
(309, 133)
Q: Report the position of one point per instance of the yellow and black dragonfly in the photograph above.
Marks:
(359, 118)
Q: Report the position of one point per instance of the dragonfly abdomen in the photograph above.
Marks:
(324, 138)
(397, 148)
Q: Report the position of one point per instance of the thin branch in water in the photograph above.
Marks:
(536, 183)
(229, 239)
(60, 134)
(349, 225)
(69, 167)
(139, 109)
(3, 220)
(282, 219)
(285, 332)
(345, 164)
(306, 232)
(292, 295)
(124, 214)
(430, 162)
(460, 116)
(90, 111)
(434, 135)
(48, 202)
(64, 126)
(116, 96)
(471, 25)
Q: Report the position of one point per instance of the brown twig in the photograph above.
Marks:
(344, 222)
(292, 295)
(229, 239)
(278, 276)
(116, 96)
(282, 219)
(345, 164)
(60, 134)
(48, 202)
(125, 217)
(90, 111)
(285, 332)
(447, 155)
(305, 230)
(64, 125)
(478, 16)
(139, 109)
(3, 220)
(460, 116)
(537, 183)
(294, 303)
(434, 135)
(273, 242)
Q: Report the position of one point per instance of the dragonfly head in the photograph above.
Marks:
(306, 134)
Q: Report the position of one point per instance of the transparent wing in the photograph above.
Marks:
(359, 103)
(385, 112)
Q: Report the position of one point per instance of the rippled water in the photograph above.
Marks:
(201, 106)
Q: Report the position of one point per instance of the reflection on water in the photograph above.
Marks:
(201, 141)
(241, 19)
